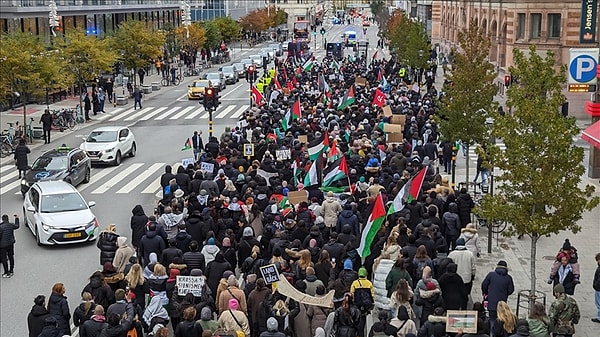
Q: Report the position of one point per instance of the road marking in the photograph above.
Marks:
(5, 189)
(153, 113)
(119, 116)
(233, 90)
(224, 113)
(140, 178)
(195, 113)
(153, 188)
(110, 114)
(182, 112)
(95, 177)
(240, 111)
(163, 116)
(107, 185)
(137, 115)
(5, 167)
(8, 176)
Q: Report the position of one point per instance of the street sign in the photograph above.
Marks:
(582, 68)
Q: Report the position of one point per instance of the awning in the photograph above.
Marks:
(592, 135)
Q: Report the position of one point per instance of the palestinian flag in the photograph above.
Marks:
(348, 99)
(257, 96)
(409, 192)
(307, 66)
(187, 145)
(338, 170)
(375, 55)
(312, 176)
(379, 75)
(276, 82)
(376, 219)
(335, 65)
(296, 171)
(318, 146)
(291, 115)
(334, 153)
(326, 99)
(322, 84)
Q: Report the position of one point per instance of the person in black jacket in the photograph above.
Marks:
(194, 259)
(596, 286)
(101, 292)
(21, 152)
(84, 311)
(170, 253)
(215, 270)
(7, 244)
(118, 327)
(50, 328)
(454, 291)
(188, 327)
(107, 243)
(37, 316)
(183, 180)
(139, 219)
(46, 121)
(94, 326)
(59, 308)
(151, 242)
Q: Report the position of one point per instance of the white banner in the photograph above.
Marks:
(189, 284)
(285, 288)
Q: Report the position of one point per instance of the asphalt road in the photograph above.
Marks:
(161, 129)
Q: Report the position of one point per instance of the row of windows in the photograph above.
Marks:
(553, 26)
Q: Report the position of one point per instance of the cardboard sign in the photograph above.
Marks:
(296, 197)
(303, 139)
(285, 288)
(248, 150)
(395, 137)
(387, 111)
(392, 128)
(461, 319)
(185, 162)
(190, 284)
(360, 81)
(269, 273)
(283, 154)
(207, 167)
(398, 119)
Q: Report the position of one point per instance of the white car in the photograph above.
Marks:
(109, 144)
(57, 214)
(257, 60)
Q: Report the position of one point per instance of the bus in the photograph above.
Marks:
(301, 33)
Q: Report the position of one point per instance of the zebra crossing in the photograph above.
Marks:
(172, 113)
(127, 178)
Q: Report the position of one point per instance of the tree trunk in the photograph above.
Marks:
(534, 240)
(466, 145)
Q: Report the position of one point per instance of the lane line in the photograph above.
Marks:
(140, 178)
(164, 115)
(182, 112)
(205, 116)
(94, 178)
(110, 114)
(224, 113)
(138, 114)
(116, 179)
(153, 113)
(240, 111)
(153, 188)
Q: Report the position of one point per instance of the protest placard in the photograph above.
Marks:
(185, 162)
(392, 128)
(285, 288)
(248, 150)
(360, 81)
(283, 154)
(303, 139)
(189, 284)
(398, 119)
(207, 167)
(269, 273)
(466, 320)
(387, 111)
(296, 197)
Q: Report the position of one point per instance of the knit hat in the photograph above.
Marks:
(108, 267)
(206, 314)
(559, 288)
(173, 273)
(330, 194)
(211, 241)
(362, 272)
(119, 294)
(348, 264)
(566, 245)
(248, 232)
(460, 242)
(233, 304)
(502, 264)
(430, 285)
(196, 272)
(227, 273)
(226, 242)
(312, 243)
(121, 241)
(272, 324)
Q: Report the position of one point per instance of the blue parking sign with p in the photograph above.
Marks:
(582, 66)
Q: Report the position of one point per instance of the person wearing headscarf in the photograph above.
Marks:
(122, 255)
(155, 314)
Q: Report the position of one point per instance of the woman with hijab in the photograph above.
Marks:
(155, 314)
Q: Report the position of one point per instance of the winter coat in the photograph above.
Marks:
(214, 272)
(336, 250)
(596, 282)
(498, 285)
(454, 291)
(183, 240)
(231, 292)
(80, 316)
(465, 205)
(169, 254)
(347, 323)
(471, 240)
(323, 272)
(569, 282)
(122, 256)
(188, 329)
(21, 152)
(381, 272)
(433, 300)
(394, 276)
(138, 225)
(428, 327)
(465, 262)
(254, 302)
(245, 248)
(452, 224)
(107, 243)
(228, 323)
(151, 243)
(312, 282)
(318, 317)
(230, 256)
(210, 252)
(404, 327)
(347, 217)
(35, 320)
(59, 309)
(120, 330)
(51, 331)
(102, 295)
(93, 327)
(194, 260)
(7, 233)
(330, 210)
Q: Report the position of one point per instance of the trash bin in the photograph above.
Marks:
(122, 100)
(38, 132)
(147, 89)
(155, 86)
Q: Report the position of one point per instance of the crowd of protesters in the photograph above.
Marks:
(222, 225)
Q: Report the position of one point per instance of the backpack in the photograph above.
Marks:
(363, 297)
(419, 271)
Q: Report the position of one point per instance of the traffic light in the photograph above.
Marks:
(216, 97)
(251, 74)
(209, 96)
(507, 80)
(322, 31)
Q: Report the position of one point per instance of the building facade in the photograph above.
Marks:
(513, 24)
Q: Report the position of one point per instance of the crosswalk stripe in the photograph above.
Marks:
(153, 113)
(5, 167)
(110, 114)
(195, 113)
(122, 115)
(204, 116)
(8, 176)
(240, 111)
(97, 176)
(153, 187)
(170, 111)
(183, 112)
(137, 115)
(112, 182)
(4, 189)
(225, 112)
(140, 178)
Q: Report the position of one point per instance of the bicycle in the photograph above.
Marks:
(165, 82)
(26, 131)
(6, 147)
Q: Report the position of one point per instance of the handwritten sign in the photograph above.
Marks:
(189, 284)
(269, 273)
(387, 111)
(392, 128)
(285, 288)
(207, 167)
(296, 197)
(395, 137)
(185, 162)
(360, 81)
(248, 150)
(283, 154)
(303, 139)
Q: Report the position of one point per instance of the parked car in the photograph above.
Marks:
(196, 89)
(277, 48)
(231, 76)
(63, 163)
(246, 62)
(217, 79)
(240, 68)
(256, 59)
(269, 53)
(108, 144)
(57, 214)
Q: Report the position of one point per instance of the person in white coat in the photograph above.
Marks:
(381, 268)
(465, 260)
(469, 234)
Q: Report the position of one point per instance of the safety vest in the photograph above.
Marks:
(402, 72)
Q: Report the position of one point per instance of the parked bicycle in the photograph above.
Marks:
(6, 147)
(64, 119)
(25, 131)
(165, 82)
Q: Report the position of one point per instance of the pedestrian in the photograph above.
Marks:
(37, 316)
(141, 73)
(21, 152)
(539, 323)
(564, 313)
(466, 263)
(347, 318)
(84, 311)
(46, 121)
(107, 243)
(7, 244)
(87, 105)
(137, 97)
(59, 308)
(596, 286)
(109, 90)
(94, 326)
(506, 323)
(122, 255)
(496, 287)
(198, 144)
(95, 102)
(50, 328)
(101, 100)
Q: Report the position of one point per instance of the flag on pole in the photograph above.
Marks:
(296, 110)
(291, 115)
(379, 98)
(376, 219)
(312, 176)
(348, 99)
(333, 152)
(187, 145)
(382, 154)
(317, 146)
(276, 82)
(296, 170)
(375, 55)
(385, 85)
(338, 170)
(257, 96)
(408, 192)
(307, 66)
(335, 65)
(379, 75)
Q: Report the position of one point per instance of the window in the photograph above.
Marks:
(520, 26)
(554, 26)
(535, 31)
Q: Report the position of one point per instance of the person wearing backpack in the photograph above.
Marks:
(363, 293)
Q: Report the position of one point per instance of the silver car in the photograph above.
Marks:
(277, 48)
(231, 76)
(57, 214)
(217, 79)
(240, 68)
